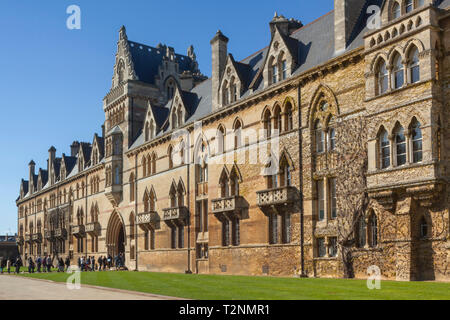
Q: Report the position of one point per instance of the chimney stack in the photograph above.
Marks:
(346, 14)
(51, 160)
(32, 167)
(74, 148)
(219, 46)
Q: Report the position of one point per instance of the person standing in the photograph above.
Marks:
(8, 265)
(39, 262)
(1, 264)
(49, 264)
(105, 262)
(30, 264)
(18, 264)
(67, 263)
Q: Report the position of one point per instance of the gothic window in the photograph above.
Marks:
(146, 202)
(225, 94)
(233, 90)
(278, 121)
(117, 175)
(149, 165)
(144, 166)
(333, 200)
(267, 124)
(274, 73)
(173, 197)
(332, 139)
(153, 162)
(285, 172)
(170, 89)
(234, 183)
(373, 230)
(321, 249)
(320, 137)
(409, 6)
(416, 140)
(385, 149)
(400, 146)
(152, 201)
(414, 67)
(152, 129)
(237, 134)
(226, 232)
(224, 186)
(398, 72)
(180, 116)
(288, 124)
(286, 227)
(132, 226)
(170, 155)
(147, 132)
(382, 77)
(361, 232)
(132, 187)
(283, 70)
(174, 119)
(321, 200)
(273, 228)
(396, 11)
(220, 140)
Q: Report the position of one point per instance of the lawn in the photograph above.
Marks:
(218, 287)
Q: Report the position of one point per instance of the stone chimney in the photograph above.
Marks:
(103, 130)
(51, 160)
(32, 167)
(219, 46)
(74, 148)
(346, 13)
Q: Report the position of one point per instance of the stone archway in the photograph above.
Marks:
(115, 235)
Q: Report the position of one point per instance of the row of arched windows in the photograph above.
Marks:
(95, 185)
(149, 165)
(402, 7)
(401, 147)
(399, 72)
(279, 121)
(278, 70)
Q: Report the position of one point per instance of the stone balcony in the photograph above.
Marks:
(277, 196)
(60, 233)
(36, 237)
(228, 204)
(175, 215)
(28, 238)
(93, 228)
(146, 219)
(48, 234)
(78, 231)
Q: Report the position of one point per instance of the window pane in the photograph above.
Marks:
(321, 200)
(333, 198)
(321, 251)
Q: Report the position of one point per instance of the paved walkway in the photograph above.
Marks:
(19, 288)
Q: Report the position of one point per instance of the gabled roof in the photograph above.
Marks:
(69, 163)
(44, 176)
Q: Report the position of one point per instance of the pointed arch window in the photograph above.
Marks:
(398, 71)
(361, 232)
(285, 173)
(170, 155)
(416, 140)
(278, 121)
(385, 150)
(225, 94)
(396, 11)
(153, 162)
(146, 201)
(409, 6)
(144, 166)
(382, 77)
(220, 140)
(274, 73)
(234, 183)
(289, 118)
(152, 201)
(147, 132)
(373, 231)
(170, 89)
(284, 70)
(132, 187)
(414, 67)
(400, 146)
(320, 137)
(237, 134)
(267, 124)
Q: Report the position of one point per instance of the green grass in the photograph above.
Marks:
(217, 287)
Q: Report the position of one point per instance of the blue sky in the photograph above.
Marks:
(53, 80)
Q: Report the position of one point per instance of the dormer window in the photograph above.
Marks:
(284, 70)
(274, 74)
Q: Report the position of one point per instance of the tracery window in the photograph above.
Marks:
(414, 67)
(400, 146)
(382, 77)
(398, 72)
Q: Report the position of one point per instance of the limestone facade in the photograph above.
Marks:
(179, 182)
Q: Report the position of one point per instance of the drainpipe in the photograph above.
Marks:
(136, 211)
(189, 271)
(300, 173)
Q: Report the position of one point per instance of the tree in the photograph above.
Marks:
(351, 185)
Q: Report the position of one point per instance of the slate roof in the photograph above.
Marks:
(147, 60)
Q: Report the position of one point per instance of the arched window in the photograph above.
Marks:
(224, 187)
(132, 187)
(373, 230)
(146, 202)
(225, 94)
(423, 228)
(170, 155)
(400, 146)
(409, 6)
(220, 140)
(332, 139)
(320, 137)
(117, 175)
(173, 196)
(383, 77)
(414, 67)
(234, 183)
(153, 161)
(398, 72)
(147, 131)
(237, 134)
(278, 122)
(267, 124)
(385, 150)
(144, 166)
(174, 119)
(152, 203)
(285, 173)
(288, 123)
(273, 70)
(152, 129)
(233, 90)
(396, 11)
(284, 70)
(361, 232)
(272, 178)
(416, 140)
(180, 116)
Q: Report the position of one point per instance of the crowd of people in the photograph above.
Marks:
(47, 263)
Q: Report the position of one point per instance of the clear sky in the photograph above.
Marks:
(53, 80)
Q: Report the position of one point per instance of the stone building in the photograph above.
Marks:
(248, 172)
